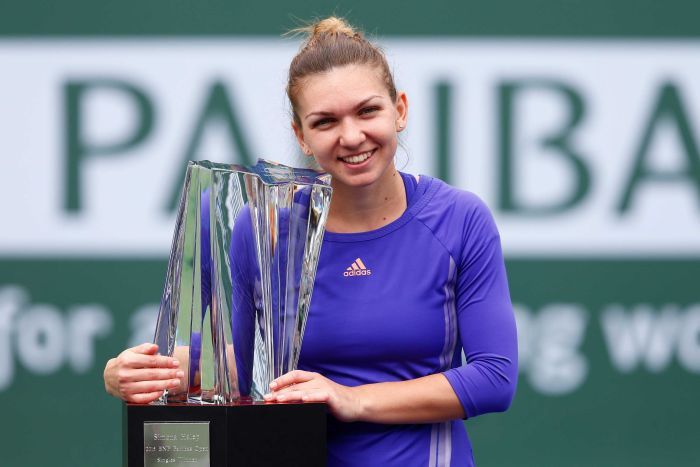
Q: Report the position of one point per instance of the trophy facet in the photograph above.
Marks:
(240, 277)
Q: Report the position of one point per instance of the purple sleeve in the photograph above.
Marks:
(486, 383)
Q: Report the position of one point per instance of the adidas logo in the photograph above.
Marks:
(357, 268)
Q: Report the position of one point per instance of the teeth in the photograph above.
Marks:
(357, 159)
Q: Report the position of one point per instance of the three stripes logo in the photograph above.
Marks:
(357, 268)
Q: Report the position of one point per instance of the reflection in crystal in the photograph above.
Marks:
(240, 277)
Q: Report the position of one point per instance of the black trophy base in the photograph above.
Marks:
(245, 435)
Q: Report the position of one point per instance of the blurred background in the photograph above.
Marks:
(577, 121)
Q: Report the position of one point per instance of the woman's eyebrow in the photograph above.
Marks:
(365, 101)
(325, 113)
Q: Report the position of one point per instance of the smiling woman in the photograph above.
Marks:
(347, 113)
(410, 275)
(348, 123)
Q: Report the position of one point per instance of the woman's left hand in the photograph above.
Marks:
(305, 386)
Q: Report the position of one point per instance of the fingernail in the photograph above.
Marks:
(267, 396)
(273, 385)
(180, 374)
(176, 362)
(176, 382)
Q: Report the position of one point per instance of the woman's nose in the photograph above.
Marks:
(351, 134)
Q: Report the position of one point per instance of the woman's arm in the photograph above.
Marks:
(485, 383)
(421, 400)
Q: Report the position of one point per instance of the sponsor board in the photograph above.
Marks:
(579, 147)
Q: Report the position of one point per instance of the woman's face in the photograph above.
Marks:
(349, 123)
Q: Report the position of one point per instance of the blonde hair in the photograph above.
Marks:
(331, 43)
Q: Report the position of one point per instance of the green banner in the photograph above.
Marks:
(530, 18)
(592, 390)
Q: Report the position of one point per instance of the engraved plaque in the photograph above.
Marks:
(176, 444)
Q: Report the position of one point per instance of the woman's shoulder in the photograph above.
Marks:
(458, 217)
(449, 201)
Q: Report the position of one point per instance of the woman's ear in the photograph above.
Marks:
(401, 111)
(300, 139)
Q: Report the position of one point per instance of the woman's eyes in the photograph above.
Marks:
(368, 110)
(324, 122)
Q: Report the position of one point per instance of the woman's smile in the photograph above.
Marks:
(357, 160)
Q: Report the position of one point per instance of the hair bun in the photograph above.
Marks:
(332, 25)
(326, 28)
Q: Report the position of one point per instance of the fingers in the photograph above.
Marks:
(289, 396)
(314, 385)
(140, 375)
(316, 396)
(293, 386)
(306, 386)
(132, 390)
(149, 374)
(131, 359)
(293, 377)
(299, 395)
(145, 356)
(147, 348)
(145, 398)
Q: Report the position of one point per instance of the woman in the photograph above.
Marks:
(382, 348)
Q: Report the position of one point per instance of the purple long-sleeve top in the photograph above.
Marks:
(404, 301)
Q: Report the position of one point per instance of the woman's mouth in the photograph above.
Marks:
(357, 159)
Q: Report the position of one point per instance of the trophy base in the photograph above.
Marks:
(248, 435)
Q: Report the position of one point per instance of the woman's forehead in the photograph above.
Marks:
(348, 85)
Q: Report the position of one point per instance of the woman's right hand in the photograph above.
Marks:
(140, 376)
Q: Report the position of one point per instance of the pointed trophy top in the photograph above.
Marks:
(271, 173)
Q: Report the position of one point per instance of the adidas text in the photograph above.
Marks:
(361, 272)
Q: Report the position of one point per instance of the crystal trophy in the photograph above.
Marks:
(234, 307)
(240, 277)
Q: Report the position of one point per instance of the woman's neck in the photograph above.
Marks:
(361, 209)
